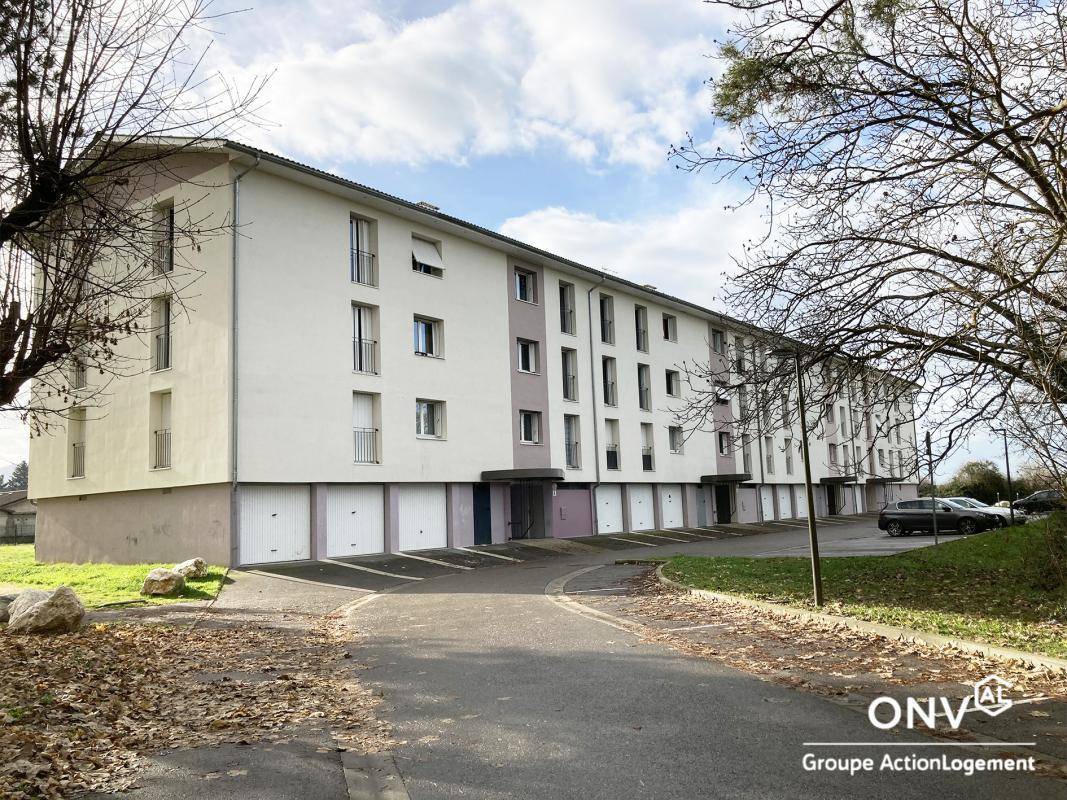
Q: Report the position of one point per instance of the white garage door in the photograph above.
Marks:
(354, 523)
(858, 495)
(608, 509)
(670, 505)
(702, 506)
(275, 523)
(802, 501)
(785, 502)
(642, 514)
(423, 523)
(767, 502)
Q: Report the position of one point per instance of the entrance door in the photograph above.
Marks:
(483, 514)
(832, 507)
(527, 511)
(722, 504)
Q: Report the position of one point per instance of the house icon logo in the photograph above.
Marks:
(989, 695)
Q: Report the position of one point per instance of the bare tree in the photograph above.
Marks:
(913, 158)
(100, 102)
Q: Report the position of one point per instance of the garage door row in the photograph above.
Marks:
(609, 499)
(275, 520)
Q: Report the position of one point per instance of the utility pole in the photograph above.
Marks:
(1007, 469)
(933, 488)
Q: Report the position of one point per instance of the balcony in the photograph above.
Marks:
(612, 456)
(366, 445)
(362, 267)
(365, 356)
(161, 449)
(161, 355)
(571, 452)
(647, 463)
(77, 460)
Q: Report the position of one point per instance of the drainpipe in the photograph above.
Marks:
(233, 346)
(592, 398)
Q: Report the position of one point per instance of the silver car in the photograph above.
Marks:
(1005, 514)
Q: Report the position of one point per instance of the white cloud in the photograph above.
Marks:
(685, 251)
(612, 82)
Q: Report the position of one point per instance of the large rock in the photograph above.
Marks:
(5, 602)
(193, 568)
(58, 612)
(162, 581)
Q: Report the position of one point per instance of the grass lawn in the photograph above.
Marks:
(983, 587)
(95, 584)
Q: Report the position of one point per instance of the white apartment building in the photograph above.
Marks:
(353, 373)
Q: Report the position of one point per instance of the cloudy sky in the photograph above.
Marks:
(549, 121)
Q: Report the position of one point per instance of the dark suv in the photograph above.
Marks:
(905, 516)
(1040, 502)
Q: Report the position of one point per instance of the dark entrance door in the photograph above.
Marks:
(483, 514)
(722, 503)
(527, 510)
(831, 500)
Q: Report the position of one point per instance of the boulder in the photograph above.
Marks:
(193, 568)
(5, 602)
(163, 581)
(58, 612)
(25, 599)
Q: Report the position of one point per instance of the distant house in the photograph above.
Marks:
(18, 517)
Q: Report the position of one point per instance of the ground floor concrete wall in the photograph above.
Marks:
(153, 525)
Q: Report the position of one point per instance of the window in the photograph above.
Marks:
(868, 425)
(641, 327)
(164, 221)
(608, 369)
(674, 383)
(718, 342)
(859, 461)
(361, 252)
(530, 427)
(527, 353)
(161, 324)
(670, 327)
(644, 390)
(566, 307)
(78, 375)
(611, 447)
(788, 456)
(724, 444)
(898, 427)
(570, 373)
(159, 414)
(427, 336)
(832, 450)
(843, 417)
(607, 319)
(722, 394)
(768, 453)
(525, 286)
(429, 419)
(364, 345)
(76, 443)
(426, 257)
(881, 458)
(571, 442)
(364, 431)
(786, 411)
(675, 438)
(746, 453)
(648, 462)
(829, 413)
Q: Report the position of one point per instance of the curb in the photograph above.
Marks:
(888, 631)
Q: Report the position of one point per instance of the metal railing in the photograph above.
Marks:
(161, 451)
(646, 459)
(164, 260)
(570, 387)
(365, 355)
(571, 450)
(161, 359)
(642, 340)
(566, 319)
(644, 398)
(366, 445)
(607, 331)
(609, 393)
(77, 460)
(78, 376)
(362, 267)
(612, 456)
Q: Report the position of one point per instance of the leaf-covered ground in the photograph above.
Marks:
(79, 711)
(985, 588)
(95, 584)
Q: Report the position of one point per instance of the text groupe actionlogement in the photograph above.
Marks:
(916, 763)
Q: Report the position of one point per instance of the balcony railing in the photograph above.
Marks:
(571, 449)
(77, 460)
(161, 358)
(644, 398)
(570, 387)
(609, 393)
(612, 454)
(365, 356)
(566, 319)
(161, 449)
(607, 331)
(642, 340)
(78, 376)
(164, 259)
(366, 445)
(362, 267)
(646, 459)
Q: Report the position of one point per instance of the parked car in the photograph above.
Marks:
(906, 516)
(1041, 502)
(1003, 514)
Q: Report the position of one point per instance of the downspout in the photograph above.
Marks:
(234, 521)
(592, 398)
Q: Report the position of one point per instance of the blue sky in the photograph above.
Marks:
(549, 121)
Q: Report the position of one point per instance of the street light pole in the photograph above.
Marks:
(813, 536)
(1007, 469)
